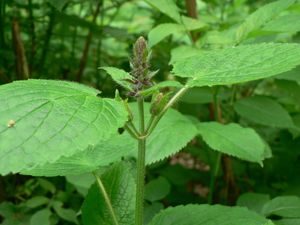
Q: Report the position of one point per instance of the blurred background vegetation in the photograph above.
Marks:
(70, 39)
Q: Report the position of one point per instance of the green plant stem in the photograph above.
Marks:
(141, 167)
(150, 123)
(215, 171)
(107, 200)
(131, 132)
(130, 123)
(213, 178)
(172, 101)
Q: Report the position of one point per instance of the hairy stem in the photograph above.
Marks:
(141, 167)
(107, 200)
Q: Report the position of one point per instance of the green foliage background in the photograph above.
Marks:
(71, 39)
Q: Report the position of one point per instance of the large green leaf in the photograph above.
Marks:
(262, 16)
(167, 7)
(265, 111)
(284, 206)
(238, 64)
(165, 141)
(42, 120)
(102, 154)
(160, 145)
(208, 215)
(232, 139)
(120, 187)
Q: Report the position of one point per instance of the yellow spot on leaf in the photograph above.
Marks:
(11, 123)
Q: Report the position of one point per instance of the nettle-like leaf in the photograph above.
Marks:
(121, 77)
(238, 64)
(165, 141)
(120, 187)
(42, 120)
(265, 111)
(284, 206)
(261, 16)
(160, 145)
(232, 139)
(182, 52)
(208, 215)
(89, 160)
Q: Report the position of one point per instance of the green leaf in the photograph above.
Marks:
(253, 201)
(14, 214)
(265, 111)
(183, 52)
(160, 145)
(152, 210)
(192, 24)
(91, 159)
(288, 222)
(120, 187)
(208, 215)
(167, 7)
(261, 16)
(119, 76)
(285, 23)
(82, 182)
(238, 64)
(232, 139)
(285, 206)
(41, 217)
(37, 201)
(160, 32)
(43, 120)
(203, 95)
(157, 189)
(163, 84)
(292, 75)
(65, 214)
